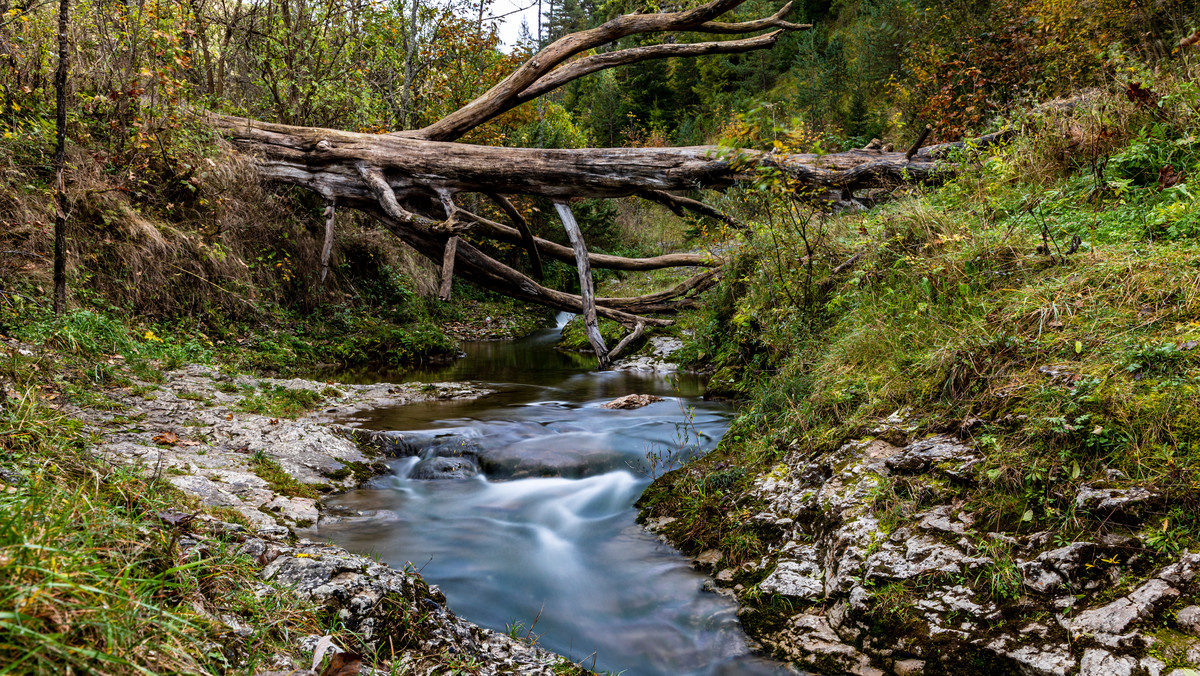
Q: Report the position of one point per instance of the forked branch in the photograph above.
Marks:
(508, 93)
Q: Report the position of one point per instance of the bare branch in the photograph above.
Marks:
(587, 287)
(773, 21)
(489, 228)
(590, 64)
(627, 341)
(531, 247)
(500, 97)
(678, 204)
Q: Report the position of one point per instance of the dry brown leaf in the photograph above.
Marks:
(168, 438)
(343, 664)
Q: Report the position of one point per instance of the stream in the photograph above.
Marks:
(542, 541)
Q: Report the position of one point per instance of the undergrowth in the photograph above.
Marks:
(1045, 304)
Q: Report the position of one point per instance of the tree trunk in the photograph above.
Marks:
(60, 161)
(587, 287)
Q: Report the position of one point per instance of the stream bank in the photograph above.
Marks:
(849, 584)
(227, 444)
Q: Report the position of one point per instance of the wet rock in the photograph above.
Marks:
(912, 667)
(518, 461)
(300, 511)
(706, 559)
(441, 468)
(801, 579)
(632, 401)
(1115, 502)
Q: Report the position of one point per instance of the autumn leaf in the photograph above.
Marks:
(167, 438)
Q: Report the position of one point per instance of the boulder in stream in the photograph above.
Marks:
(631, 401)
(444, 468)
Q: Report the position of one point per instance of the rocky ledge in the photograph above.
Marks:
(855, 585)
(199, 430)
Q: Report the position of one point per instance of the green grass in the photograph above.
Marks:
(278, 479)
(92, 581)
(281, 402)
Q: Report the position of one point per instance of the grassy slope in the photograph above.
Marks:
(1060, 366)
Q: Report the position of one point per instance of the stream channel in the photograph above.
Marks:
(511, 545)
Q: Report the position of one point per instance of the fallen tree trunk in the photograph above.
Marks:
(410, 180)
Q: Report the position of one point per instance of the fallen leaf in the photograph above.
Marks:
(189, 442)
(1140, 95)
(323, 644)
(343, 664)
(167, 438)
(1168, 177)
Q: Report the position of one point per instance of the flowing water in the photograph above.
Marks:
(559, 556)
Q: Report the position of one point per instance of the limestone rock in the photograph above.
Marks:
(1056, 567)
(1116, 502)
(300, 511)
(801, 579)
(921, 456)
(1119, 615)
(1098, 662)
(912, 667)
(1188, 620)
(631, 401)
(654, 358)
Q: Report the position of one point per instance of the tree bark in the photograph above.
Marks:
(587, 289)
(327, 247)
(60, 161)
(448, 268)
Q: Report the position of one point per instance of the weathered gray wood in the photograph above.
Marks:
(327, 247)
(475, 267)
(627, 341)
(328, 160)
(587, 289)
(448, 268)
(493, 230)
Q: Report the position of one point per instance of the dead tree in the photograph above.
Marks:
(409, 180)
